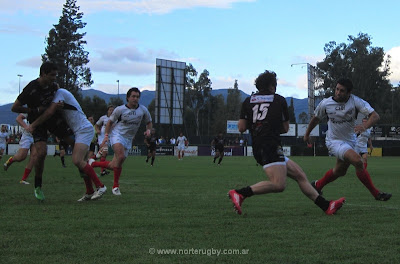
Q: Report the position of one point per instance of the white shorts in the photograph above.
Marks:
(26, 141)
(361, 149)
(338, 148)
(3, 146)
(126, 142)
(84, 135)
(181, 147)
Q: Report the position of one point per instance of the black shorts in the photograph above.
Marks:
(152, 147)
(63, 145)
(220, 149)
(267, 153)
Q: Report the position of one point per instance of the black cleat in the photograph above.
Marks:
(104, 173)
(313, 184)
(382, 196)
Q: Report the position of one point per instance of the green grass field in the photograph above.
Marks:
(183, 206)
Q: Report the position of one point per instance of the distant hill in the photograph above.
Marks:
(8, 117)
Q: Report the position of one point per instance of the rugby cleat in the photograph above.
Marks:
(7, 164)
(116, 191)
(382, 196)
(99, 193)
(335, 205)
(237, 200)
(39, 194)
(86, 197)
(23, 182)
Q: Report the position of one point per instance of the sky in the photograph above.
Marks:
(231, 39)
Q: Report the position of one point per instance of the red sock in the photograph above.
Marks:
(117, 174)
(89, 171)
(102, 159)
(328, 177)
(179, 155)
(102, 164)
(88, 184)
(365, 178)
(26, 174)
(11, 160)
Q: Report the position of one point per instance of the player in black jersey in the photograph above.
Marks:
(219, 144)
(266, 115)
(34, 100)
(151, 142)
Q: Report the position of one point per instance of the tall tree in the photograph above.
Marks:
(233, 102)
(197, 96)
(365, 65)
(65, 47)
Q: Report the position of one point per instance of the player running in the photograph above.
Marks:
(25, 144)
(151, 142)
(127, 119)
(181, 142)
(266, 115)
(341, 111)
(4, 134)
(219, 144)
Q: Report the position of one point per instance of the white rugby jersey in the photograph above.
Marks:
(181, 141)
(362, 139)
(127, 121)
(72, 111)
(342, 116)
(102, 122)
(3, 137)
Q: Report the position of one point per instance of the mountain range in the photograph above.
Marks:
(8, 117)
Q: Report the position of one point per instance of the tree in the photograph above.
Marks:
(65, 47)
(197, 96)
(303, 118)
(95, 106)
(116, 101)
(365, 65)
(233, 102)
(292, 116)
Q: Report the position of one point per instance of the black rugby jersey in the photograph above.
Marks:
(265, 114)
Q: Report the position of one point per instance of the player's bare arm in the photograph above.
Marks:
(372, 120)
(313, 123)
(242, 125)
(20, 120)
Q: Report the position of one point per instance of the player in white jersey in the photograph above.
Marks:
(83, 132)
(4, 134)
(101, 130)
(127, 119)
(341, 111)
(362, 143)
(24, 146)
(181, 142)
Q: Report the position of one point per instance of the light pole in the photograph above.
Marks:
(118, 88)
(19, 83)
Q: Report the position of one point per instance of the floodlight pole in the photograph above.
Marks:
(118, 88)
(19, 83)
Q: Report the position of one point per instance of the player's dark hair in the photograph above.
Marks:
(346, 82)
(47, 67)
(133, 89)
(265, 80)
(110, 106)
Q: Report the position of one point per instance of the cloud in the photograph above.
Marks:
(128, 60)
(394, 65)
(138, 6)
(33, 62)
